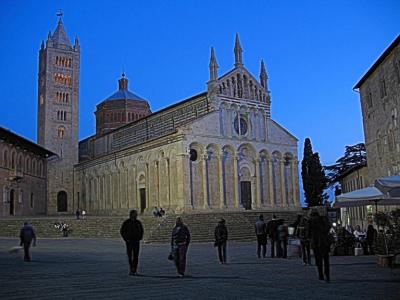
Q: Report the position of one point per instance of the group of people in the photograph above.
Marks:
(365, 239)
(79, 213)
(132, 233)
(158, 212)
(63, 227)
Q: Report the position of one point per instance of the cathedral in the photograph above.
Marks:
(217, 151)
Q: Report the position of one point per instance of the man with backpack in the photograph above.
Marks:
(27, 235)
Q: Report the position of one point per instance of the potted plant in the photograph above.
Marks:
(388, 240)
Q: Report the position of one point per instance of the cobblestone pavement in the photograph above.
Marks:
(97, 269)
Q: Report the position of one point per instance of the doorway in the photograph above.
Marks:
(62, 202)
(245, 194)
(12, 208)
(142, 194)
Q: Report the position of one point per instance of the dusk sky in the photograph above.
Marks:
(314, 52)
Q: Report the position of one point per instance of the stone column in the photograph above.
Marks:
(229, 122)
(135, 202)
(204, 181)
(221, 181)
(236, 182)
(295, 184)
(147, 185)
(157, 182)
(183, 185)
(282, 181)
(258, 183)
(270, 167)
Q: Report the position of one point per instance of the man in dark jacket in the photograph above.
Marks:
(27, 235)
(221, 237)
(261, 233)
(302, 233)
(319, 235)
(179, 244)
(272, 226)
(132, 232)
(283, 234)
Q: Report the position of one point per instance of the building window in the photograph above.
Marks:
(369, 99)
(61, 132)
(31, 200)
(383, 88)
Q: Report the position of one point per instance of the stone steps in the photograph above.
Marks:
(157, 230)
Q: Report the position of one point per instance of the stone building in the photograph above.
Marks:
(23, 176)
(379, 92)
(354, 179)
(218, 150)
(58, 108)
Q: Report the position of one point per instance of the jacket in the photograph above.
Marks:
(221, 233)
(319, 233)
(302, 231)
(27, 234)
(131, 230)
(260, 227)
(180, 236)
(272, 229)
(283, 232)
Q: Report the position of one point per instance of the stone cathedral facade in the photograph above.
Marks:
(218, 150)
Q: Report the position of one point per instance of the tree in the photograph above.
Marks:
(354, 155)
(313, 175)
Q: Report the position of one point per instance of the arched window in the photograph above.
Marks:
(65, 115)
(13, 160)
(61, 132)
(34, 167)
(5, 159)
(27, 165)
(19, 164)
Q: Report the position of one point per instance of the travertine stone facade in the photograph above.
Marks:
(58, 104)
(219, 150)
(380, 103)
(23, 176)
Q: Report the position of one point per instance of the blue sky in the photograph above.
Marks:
(314, 51)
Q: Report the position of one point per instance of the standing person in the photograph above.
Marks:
(221, 237)
(132, 233)
(319, 231)
(370, 239)
(179, 243)
(282, 238)
(26, 235)
(156, 212)
(83, 214)
(302, 234)
(261, 233)
(273, 234)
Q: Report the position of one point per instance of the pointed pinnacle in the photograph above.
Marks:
(213, 60)
(237, 42)
(262, 69)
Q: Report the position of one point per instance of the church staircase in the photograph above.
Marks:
(157, 230)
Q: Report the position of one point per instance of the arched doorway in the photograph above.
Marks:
(245, 188)
(12, 208)
(142, 193)
(62, 203)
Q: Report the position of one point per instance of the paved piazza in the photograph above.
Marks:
(98, 269)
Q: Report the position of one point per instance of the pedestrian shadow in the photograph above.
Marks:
(186, 276)
(354, 264)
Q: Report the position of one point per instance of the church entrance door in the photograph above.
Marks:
(12, 202)
(245, 194)
(142, 193)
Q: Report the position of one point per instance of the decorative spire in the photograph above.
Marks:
(263, 76)
(123, 82)
(59, 36)
(77, 47)
(213, 66)
(238, 52)
(42, 45)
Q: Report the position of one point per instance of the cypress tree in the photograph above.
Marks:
(313, 175)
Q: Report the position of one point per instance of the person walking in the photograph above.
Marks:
(179, 245)
(370, 239)
(283, 234)
(221, 238)
(302, 234)
(261, 233)
(319, 237)
(77, 213)
(132, 233)
(27, 235)
(273, 233)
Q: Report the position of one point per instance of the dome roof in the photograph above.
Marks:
(123, 93)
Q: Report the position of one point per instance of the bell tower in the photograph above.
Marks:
(58, 107)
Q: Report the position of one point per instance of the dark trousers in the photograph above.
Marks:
(261, 243)
(322, 262)
(281, 249)
(305, 251)
(273, 242)
(27, 254)
(132, 250)
(180, 259)
(222, 252)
